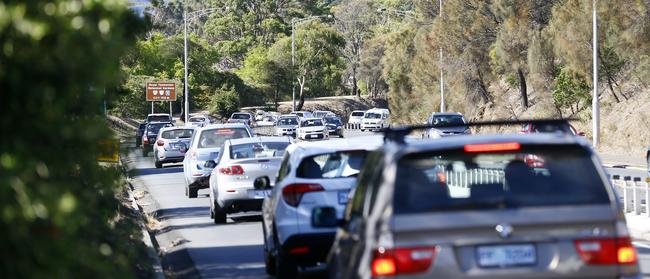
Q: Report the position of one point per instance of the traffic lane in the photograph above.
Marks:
(232, 250)
(643, 250)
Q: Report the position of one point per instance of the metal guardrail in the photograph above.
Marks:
(634, 193)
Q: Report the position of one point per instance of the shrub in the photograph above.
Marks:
(225, 101)
(58, 208)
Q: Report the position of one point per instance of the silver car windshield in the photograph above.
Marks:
(258, 150)
(216, 137)
(288, 121)
(550, 176)
(312, 123)
(372, 115)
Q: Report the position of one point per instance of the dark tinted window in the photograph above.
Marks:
(155, 127)
(372, 115)
(357, 113)
(332, 120)
(158, 118)
(241, 116)
(288, 121)
(448, 120)
(541, 176)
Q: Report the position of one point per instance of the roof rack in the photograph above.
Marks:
(398, 134)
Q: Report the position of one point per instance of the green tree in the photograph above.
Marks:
(265, 75)
(571, 91)
(59, 215)
(225, 101)
(318, 64)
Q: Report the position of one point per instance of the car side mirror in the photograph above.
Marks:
(324, 217)
(210, 164)
(262, 182)
(183, 148)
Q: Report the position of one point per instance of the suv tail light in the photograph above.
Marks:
(160, 143)
(608, 251)
(232, 170)
(292, 194)
(399, 261)
(145, 140)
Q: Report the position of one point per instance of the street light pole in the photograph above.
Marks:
(293, 63)
(442, 84)
(595, 113)
(185, 92)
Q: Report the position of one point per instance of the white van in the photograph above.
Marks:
(375, 119)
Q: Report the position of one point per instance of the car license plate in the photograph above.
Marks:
(258, 194)
(343, 197)
(175, 146)
(506, 255)
(313, 136)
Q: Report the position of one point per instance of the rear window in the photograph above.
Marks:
(216, 137)
(372, 115)
(158, 118)
(177, 134)
(197, 119)
(288, 121)
(155, 128)
(448, 120)
(241, 116)
(258, 150)
(357, 113)
(312, 123)
(332, 165)
(540, 176)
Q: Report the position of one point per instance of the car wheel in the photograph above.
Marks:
(159, 164)
(211, 210)
(341, 134)
(219, 214)
(285, 266)
(363, 130)
(187, 189)
(193, 193)
(269, 259)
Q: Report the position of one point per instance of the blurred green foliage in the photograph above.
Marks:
(225, 101)
(59, 216)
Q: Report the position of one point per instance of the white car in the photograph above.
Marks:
(239, 164)
(259, 114)
(169, 143)
(322, 113)
(312, 129)
(312, 175)
(267, 121)
(356, 117)
(375, 119)
(287, 125)
(303, 114)
(204, 147)
(199, 121)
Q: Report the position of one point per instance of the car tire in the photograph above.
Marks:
(220, 216)
(211, 210)
(285, 267)
(269, 259)
(363, 130)
(192, 193)
(159, 164)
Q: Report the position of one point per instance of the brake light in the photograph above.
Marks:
(399, 261)
(145, 140)
(292, 194)
(492, 147)
(607, 251)
(232, 170)
(160, 143)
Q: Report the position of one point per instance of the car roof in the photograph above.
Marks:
(259, 139)
(178, 128)
(223, 126)
(311, 118)
(305, 149)
(456, 142)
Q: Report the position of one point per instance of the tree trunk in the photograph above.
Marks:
(482, 88)
(609, 76)
(276, 96)
(611, 88)
(522, 88)
(355, 89)
(301, 102)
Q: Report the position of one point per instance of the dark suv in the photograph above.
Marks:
(469, 207)
(150, 134)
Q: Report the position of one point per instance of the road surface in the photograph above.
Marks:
(194, 247)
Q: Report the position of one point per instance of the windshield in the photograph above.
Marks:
(551, 176)
(448, 120)
(357, 113)
(155, 127)
(372, 115)
(240, 116)
(158, 118)
(197, 119)
(312, 123)
(333, 120)
(288, 121)
(216, 137)
(269, 119)
(258, 150)
(332, 165)
(177, 134)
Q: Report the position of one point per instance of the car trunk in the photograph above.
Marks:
(510, 243)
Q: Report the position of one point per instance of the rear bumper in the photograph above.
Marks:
(242, 205)
(202, 182)
(318, 246)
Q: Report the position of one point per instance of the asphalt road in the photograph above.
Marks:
(194, 247)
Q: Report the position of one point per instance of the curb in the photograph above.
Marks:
(149, 241)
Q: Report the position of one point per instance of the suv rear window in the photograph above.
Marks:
(216, 137)
(536, 176)
(158, 118)
(332, 165)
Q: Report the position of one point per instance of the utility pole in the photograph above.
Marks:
(595, 113)
(293, 63)
(185, 91)
(442, 84)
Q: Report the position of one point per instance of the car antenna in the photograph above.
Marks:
(398, 134)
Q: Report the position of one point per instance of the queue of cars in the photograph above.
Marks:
(535, 204)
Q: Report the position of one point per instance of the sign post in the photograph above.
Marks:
(161, 91)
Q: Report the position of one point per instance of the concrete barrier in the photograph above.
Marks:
(634, 193)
